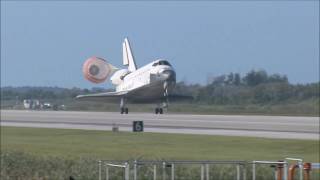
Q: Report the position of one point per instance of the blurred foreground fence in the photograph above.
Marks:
(206, 170)
(17, 165)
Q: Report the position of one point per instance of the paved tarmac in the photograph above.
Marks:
(229, 125)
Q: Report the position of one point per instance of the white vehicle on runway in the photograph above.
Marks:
(150, 83)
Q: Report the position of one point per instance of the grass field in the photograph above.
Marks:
(36, 153)
(125, 145)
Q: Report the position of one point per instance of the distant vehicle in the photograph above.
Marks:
(62, 107)
(46, 106)
(55, 107)
(27, 103)
(31, 104)
(150, 83)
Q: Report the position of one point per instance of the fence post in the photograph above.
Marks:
(285, 172)
(291, 171)
(300, 170)
(254, 171)
(172, 171)
(135, 170)
(154, 172)
(99, 170)
(244, 171)
(126, 171)
(300, 166)
(207, 171)
(164, 171)
(238, 172)
(107, 172)
(275, 173)
(202, 172)
(280, 174)
(307, 168)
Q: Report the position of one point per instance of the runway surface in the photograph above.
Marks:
(229, 125)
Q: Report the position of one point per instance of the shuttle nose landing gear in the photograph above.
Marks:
(123, 109)
(159, 108)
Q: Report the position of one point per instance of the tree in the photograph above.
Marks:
(237, 79)
(219, 80)
(254, 78)
(277, 78)
(230, 79)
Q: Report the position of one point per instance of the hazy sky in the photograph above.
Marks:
(46, 43)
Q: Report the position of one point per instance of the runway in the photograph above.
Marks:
(283, 127)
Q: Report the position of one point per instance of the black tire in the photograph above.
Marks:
(126, 110)
(160, 111)
(156, 110)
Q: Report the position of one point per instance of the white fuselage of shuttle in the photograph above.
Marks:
(150, 74)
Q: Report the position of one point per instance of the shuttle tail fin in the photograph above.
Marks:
(128, 58)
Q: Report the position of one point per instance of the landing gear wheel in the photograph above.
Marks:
(158, 111)
(126, 110)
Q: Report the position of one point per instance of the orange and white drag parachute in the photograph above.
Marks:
(97, 70)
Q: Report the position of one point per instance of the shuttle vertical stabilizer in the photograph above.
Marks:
(128, 58)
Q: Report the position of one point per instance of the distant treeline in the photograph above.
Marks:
(256, 87)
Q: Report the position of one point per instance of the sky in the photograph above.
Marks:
(46, 43)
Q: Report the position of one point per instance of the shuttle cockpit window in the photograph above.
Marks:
(164, 63)
(161, 63)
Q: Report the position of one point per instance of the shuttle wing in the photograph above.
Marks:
(131, 96)
(106, 96)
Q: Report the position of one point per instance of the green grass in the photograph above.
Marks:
(38, 153)
(125, 145)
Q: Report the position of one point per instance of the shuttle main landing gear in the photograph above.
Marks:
(158, 110)
(123, 109)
